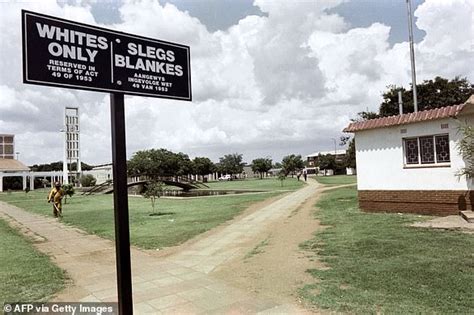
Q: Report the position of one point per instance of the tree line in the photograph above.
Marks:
(156, 163)
(58, 166)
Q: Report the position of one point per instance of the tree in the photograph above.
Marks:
(466, 149)
(282, 176)
(277, 165)
(68, 191)
(184, 163)
(431, 94)
(158, 163)
(203, 166)
(292, 163)
(365, 115)
(88, 180)
(153, 191)
(350, 158)
(84, 166)
(261, 166)
(54, 166)
(231, 164)
(58, 166)
(326, 162)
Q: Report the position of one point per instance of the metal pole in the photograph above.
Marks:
(335, 147)
(412, 55)
(400, 103)
(122, 233)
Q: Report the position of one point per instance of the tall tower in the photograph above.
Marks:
(72, 151)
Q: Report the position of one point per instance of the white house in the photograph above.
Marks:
(408, 162)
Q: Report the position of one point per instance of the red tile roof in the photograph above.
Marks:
(426, 115)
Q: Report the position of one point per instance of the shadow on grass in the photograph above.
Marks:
(156, 214)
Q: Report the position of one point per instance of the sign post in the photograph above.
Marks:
(122, 233)
(62, 53)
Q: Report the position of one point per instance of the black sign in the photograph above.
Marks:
(62, 53)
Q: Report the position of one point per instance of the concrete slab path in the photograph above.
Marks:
(176, 284)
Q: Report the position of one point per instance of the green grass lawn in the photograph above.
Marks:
(25, 274)
(378, 264)
(336, 180)
(258, 184)
(185, 218)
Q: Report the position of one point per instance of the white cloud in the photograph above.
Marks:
(268, 86)
(448, 47)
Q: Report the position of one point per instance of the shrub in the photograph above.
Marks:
(68, 191)
(88, 180)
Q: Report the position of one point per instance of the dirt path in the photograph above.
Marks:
(194, 278)
(274, 264)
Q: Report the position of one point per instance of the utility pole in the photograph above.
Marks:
(412, 55)
(400, 102)
(335, 147)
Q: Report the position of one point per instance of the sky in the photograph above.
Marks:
(269, 78)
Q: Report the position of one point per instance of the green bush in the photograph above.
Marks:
(88, 180)
(68, 191)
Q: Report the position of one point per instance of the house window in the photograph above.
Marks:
(442, 148)
(427, 150)
(411, 151)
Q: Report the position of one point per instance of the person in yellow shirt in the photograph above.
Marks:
(56, 196)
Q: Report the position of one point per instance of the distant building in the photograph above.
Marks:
(101, 173)
(274, 171)
(10, 167)
(249, 173)
(7, 146)
(409, 162)
(313, 159)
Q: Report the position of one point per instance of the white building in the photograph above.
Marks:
(101, 173)
(14, 168)
(313, 160)
(408, 162)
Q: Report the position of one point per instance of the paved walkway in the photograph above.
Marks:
(450, 222)
(179, 283)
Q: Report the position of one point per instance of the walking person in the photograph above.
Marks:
(305, 175)
(298, 175)
(56, 196)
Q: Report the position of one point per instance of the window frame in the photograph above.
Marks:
(420, 164)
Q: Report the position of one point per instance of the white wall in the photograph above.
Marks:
(380, 159)
(101, 175)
